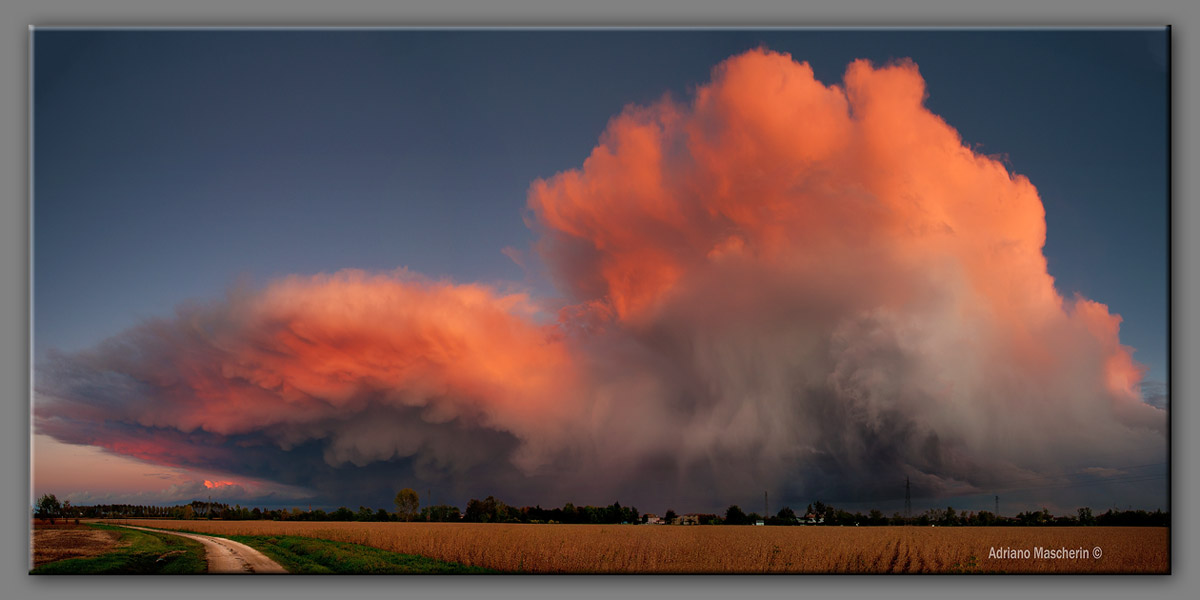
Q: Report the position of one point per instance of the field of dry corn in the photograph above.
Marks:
(723, 549)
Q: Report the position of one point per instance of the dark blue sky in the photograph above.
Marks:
(168, 164)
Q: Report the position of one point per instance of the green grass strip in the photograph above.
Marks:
(312, 555)
(145, 553)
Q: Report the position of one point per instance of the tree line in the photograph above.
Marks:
(493, 510)
(825, 514)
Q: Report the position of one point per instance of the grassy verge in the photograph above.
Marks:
(311, 555)
(142, 553)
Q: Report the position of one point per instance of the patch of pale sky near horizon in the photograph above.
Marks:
(59, 467)
(66, 470)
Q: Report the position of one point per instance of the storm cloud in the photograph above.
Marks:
(777, 284)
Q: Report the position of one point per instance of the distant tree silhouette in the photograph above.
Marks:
(48, 507)
(1085, 516)
(441, 513)
(735, 516)
(407, 503)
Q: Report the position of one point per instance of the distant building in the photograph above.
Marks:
(652, 519)
(759, 522)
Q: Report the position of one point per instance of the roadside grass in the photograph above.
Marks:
(312, 555)
(138, 553)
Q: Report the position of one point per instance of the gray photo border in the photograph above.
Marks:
(17, 15)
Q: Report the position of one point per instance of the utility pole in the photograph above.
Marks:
(997, 506)
(766, 509)
(907, 499)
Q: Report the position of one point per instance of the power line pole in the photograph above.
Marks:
(997, 506)
(907, 499)
(766, 509)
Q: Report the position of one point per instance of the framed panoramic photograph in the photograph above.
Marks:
(630, 301)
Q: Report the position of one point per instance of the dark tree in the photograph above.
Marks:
(48, 507)
(735, 516)
(949, 517)
(489, 510)
(785, 516)
(441, 513)
(1085, 516)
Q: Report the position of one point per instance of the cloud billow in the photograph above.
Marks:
(816, 290)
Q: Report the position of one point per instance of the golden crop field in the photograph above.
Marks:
(724, 549)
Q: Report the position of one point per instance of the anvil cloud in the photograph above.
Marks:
(776, 284)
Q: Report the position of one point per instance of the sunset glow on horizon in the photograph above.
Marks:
(771, 283)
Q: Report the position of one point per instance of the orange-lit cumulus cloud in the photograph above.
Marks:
(777, 284)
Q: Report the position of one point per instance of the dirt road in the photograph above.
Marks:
(227, 556)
